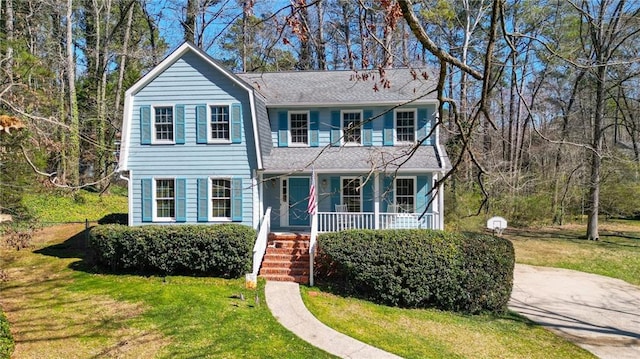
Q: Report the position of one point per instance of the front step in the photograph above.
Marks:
(286, 258)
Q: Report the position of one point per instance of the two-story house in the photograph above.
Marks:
(203, 145)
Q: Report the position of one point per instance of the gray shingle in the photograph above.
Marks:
(325, 88)
(354, 158)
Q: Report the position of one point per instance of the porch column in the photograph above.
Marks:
(376, 201)
(441, 204)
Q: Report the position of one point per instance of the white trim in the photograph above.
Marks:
(254, 121)
(298, 144)
(415, 190)
(395, 125)
(154, 200)
(342, 136)
(152, 115)
(217, 141)
(123, 161)
(210, 216)
(359, 178)
(342, 104)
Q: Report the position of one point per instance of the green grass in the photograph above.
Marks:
(6, 340)
(65, 207)
(424, 333)
(59, 307)
(616, 254)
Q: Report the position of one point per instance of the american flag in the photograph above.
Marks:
(313, 206)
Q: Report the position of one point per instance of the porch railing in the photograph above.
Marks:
(260, 246)
(340, 221)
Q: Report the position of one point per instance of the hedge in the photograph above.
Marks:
(6, 339)
(462, 272)
(223, 250)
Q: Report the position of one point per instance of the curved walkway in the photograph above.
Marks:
(600, 314)
(285, 302)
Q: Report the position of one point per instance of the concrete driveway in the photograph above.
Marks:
(598, 313)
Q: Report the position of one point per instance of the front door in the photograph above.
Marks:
(298, 202)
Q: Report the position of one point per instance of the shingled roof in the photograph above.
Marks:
(327, 88)
(385, 159)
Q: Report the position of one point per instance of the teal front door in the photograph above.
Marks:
(298, 201)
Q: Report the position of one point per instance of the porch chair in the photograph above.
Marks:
(391, 219)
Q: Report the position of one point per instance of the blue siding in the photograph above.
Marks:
(190, 82)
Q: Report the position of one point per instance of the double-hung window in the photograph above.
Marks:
(405, 194)
(220, 198)
(351, 196)
(219, 123)
(405, 125)
(163, 124)
(352, 127)
(299, 128)
(165, 199)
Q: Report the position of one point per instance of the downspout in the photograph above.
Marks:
(129, 196)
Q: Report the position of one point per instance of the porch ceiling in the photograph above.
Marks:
(383, 159)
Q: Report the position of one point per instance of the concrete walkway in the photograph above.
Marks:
(285, 302)
(600, 314)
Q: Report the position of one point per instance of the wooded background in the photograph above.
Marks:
(539, 99)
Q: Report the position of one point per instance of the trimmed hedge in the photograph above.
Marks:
(6, 339)
(223, 250)
(462, 272)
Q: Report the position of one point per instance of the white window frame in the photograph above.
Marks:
(342, 178)
(299, 144)
(154, 198)
(395, 125)
(210, 139)
(415, 191)
(154, 138)
(342, 129)
(210, 199)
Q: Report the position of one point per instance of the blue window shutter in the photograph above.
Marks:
(201, 124)
(422, 197)
(335, 192)
(387, 133)
(236, 123)
(180, 125)
(367, 195)
(283, 129)
(203, 199)
(236, 199)
(181, 200)
(422, 126)
(387, 191)
(147, 200)
(335, 128)
(145, 125)
(367, 128)
(313, 129)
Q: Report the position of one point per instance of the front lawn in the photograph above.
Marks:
(616, 254)
(58, 307)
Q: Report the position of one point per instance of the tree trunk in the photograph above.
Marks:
(189, 24)
(72, 156)
(321, 54)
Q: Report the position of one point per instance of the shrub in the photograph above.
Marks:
(468, 273)
(222, 250)
(6, 339)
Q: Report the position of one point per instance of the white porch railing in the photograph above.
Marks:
(261, 241)
(340, 221)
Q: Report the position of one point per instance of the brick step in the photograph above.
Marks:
(285, 264)
(290, 257)
(288, 244)
(302, 279)
(284, 271)
(289, 236)
(287, 251)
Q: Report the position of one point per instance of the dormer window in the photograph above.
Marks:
(299, 128)
(163, 124)
(352, 127)
(405, 126)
